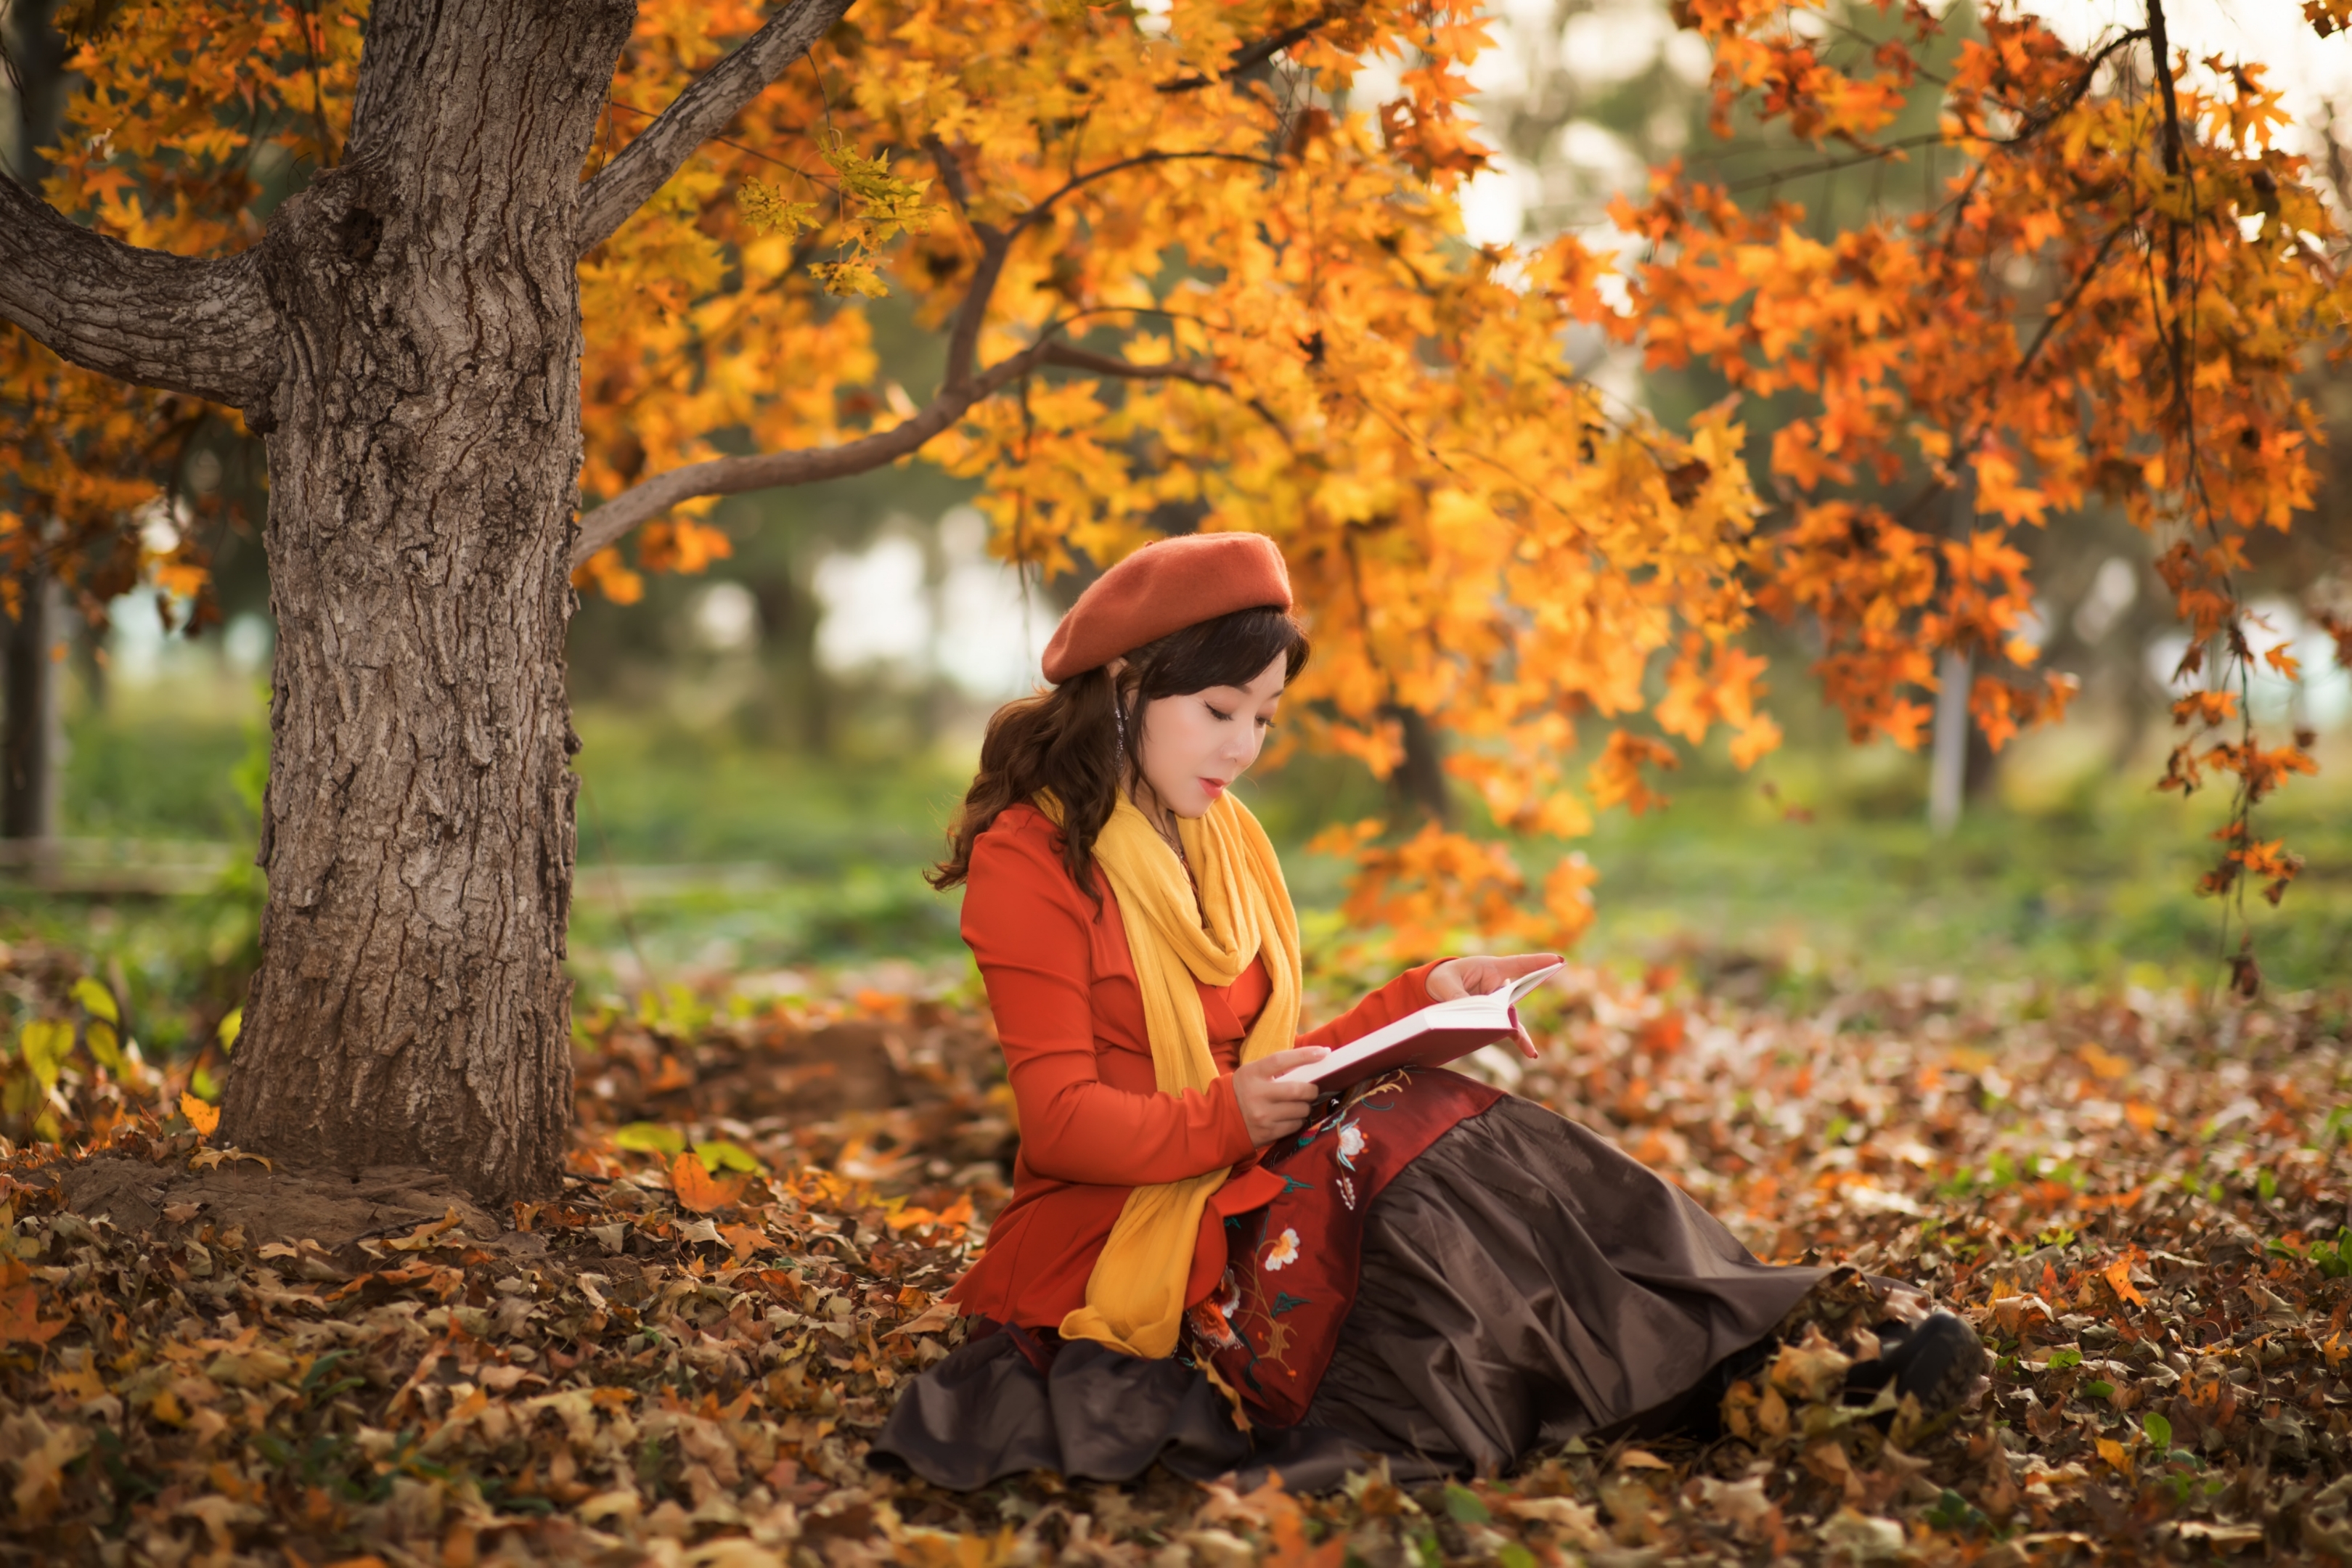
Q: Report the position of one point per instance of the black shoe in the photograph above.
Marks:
(1934, 1361)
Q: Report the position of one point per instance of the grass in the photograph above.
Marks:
(2096, 883)
(701, 853)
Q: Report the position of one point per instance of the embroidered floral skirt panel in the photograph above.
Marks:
(1511, 1282)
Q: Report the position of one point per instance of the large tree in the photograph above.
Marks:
(407, 339)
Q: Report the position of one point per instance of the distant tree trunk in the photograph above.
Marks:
(1947, 756)
(1980, 778)
(89, 662)
(418, 831)
(789, 615)
(33, 747)
(32, 744)
(37, 55)
(1420, 779)
(1955, 733)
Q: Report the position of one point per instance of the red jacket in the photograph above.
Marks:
(1093, 1123)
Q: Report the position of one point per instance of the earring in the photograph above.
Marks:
(1119, 733)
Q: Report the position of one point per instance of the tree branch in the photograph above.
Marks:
(2065, 306)
(963, 340)
(699, 113)
(1137, 161)
(1249, 57)
(205, 327)
(1062, 356)
(960, 390)
(2160, 45)
(2034, 124)
(609, 524)
(1830, 165)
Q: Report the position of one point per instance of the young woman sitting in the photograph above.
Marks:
(1423, 1267)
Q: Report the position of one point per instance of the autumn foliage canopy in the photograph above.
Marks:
(1188, 273)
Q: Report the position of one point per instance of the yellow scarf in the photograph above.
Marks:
(1134, 1298)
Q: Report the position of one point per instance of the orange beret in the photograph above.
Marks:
(1167, 585)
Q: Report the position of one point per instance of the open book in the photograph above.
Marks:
(1436, 1035)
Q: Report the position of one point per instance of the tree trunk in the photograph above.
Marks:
(32, 749)
(32, 746)
(424, 444)
(1419, 781)
(789, 615)
(1948, 758)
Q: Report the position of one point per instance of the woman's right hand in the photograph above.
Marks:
(1272, 1109)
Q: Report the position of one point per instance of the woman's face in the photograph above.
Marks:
(1190, 749)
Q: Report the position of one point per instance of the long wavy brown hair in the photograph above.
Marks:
(1066, 740)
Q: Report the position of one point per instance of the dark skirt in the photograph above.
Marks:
(1523, 1282)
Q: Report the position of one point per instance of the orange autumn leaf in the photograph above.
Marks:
(957, 1213)
(20, 1319)
(2118, 1277)
(698, 1190)
(204, 1118)
(2105, 1064)
(746, 1239)
(1926, 435)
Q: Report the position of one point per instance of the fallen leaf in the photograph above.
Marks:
(249, 1367)
(211, 1159)
(1812, 1369)
(1862, 1538)
(746, 1239)
(934, 1318)
(20, 1318)
(1578, 1522)
(429, 1233)
(204, 1118)
(698, 1190)
(2118, 1277)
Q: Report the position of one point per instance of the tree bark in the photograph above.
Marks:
(412, 1007)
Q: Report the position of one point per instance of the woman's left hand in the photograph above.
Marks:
(1477, 975)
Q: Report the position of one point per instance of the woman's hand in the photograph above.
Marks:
(1476, 976)
(1272, 1109)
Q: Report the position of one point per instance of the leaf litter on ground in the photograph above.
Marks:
(2137, 1200)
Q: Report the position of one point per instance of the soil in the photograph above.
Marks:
(333, 1209)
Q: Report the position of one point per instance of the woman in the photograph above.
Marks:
(1201, 1264)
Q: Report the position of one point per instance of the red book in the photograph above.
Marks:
(1440, 1033)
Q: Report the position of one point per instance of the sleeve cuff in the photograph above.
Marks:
(1415, 983)
(1233, 1132)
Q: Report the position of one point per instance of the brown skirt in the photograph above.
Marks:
(1523, 1282)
